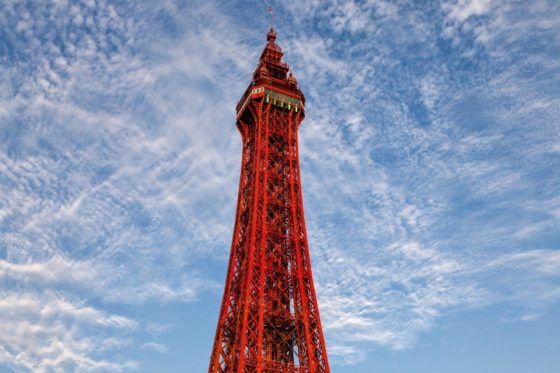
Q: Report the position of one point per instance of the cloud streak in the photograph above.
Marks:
(428, 152)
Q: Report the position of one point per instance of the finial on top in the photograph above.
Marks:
(271, 36)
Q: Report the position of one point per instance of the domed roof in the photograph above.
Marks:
(271, 37)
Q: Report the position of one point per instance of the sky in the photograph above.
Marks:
(430, 157)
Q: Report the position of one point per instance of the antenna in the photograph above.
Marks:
(270, 14)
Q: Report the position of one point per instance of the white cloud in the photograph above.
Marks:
(464, 9)
(51, 271)
(157, 347)
(44, 332)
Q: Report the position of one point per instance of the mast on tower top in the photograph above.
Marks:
(270, 14)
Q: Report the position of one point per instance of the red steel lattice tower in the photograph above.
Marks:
(269, 319)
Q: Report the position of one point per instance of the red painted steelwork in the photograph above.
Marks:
(269, 319)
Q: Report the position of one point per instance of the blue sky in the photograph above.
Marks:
(430, 157)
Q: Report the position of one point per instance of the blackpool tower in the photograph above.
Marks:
(269, 319)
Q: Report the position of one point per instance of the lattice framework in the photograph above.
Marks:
(269, 319)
